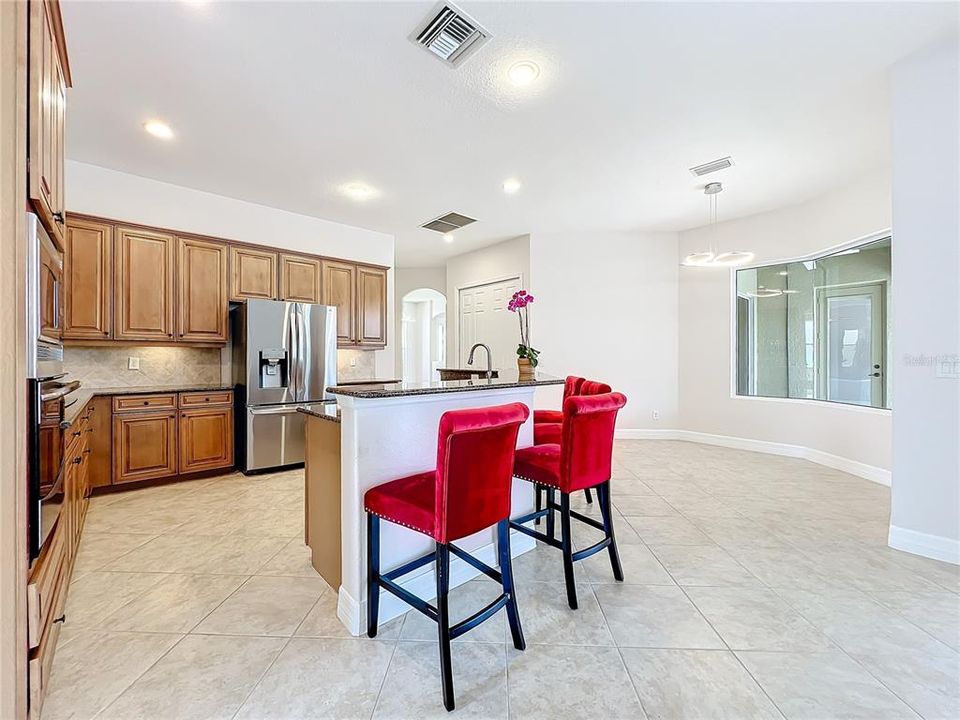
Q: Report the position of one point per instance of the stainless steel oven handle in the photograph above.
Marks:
(62, 390)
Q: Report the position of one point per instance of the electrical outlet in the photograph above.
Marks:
(133, 363)
(656, 414)
(353, 362)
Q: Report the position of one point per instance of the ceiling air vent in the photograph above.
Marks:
(450, 34)
(707, 168)
(448, 223)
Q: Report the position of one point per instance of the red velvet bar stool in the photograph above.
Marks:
(547, 424)
(468, 491)
(582, 460)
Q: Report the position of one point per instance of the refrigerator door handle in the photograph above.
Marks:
(292, 353)
(273, 410)
(303, 356)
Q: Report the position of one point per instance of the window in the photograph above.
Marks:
(817, 329)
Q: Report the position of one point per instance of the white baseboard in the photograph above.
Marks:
(854, 467)
(918, 543)
(353, 612)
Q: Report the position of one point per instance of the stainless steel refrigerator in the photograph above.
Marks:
(284, 357)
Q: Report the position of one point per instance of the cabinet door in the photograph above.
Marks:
(253, 274)
(339, 289)
(144, 446)
(299, 279)
(143, 282)
(206, 439)
(51, 290)
(47, 112)
(371, 306)
(88, 280)
(202, 303)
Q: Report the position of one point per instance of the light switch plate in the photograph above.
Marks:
(133, 363)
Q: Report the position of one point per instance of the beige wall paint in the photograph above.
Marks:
(706, 350)
(13, 500)
(408, 279)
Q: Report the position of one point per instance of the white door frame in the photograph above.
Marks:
(456, 301)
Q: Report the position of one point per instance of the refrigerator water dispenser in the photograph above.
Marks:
(273, 368)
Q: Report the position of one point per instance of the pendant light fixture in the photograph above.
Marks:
(712, 257)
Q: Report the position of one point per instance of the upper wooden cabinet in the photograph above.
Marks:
(371, 306)
(300, 279)
(143, 280)
(253, 274)
(49, 77)
(339, 290)
(88, 280)
(202, 291)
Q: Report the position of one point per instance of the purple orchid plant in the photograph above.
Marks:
(520, 304)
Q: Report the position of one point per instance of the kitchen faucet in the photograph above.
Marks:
(489, 361)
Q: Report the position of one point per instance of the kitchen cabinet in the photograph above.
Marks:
(206, 439)
(88, 280)
(51, 286)
(300, 278)
(253, 274)
(144, 445)
(100, 432)
(49, 77)
(144, 284)
(340, 290)
(371, 306)
(202, 291)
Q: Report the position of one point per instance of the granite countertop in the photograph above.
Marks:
(79, 399)
(329, 411)
(506, 379)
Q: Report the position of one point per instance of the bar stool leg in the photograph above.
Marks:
(373, 573)
(567, 546)
(506, 574)
(589, 496)
(551, 516)
(443, 623)
(538, 490)
(603, 496)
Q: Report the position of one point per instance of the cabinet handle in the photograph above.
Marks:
(58, 216)
(60, 619)
(146, 402)
(76, 433)
(77, 460)
(87, 451)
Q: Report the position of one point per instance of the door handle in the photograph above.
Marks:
(873, 375)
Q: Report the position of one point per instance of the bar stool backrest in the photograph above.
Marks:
(586, 445)
(475, 450)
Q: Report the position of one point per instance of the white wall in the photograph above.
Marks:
(495, 262)
(861, 435)
(606, 309)
(405, 280)
(121, 196)
(925, 504)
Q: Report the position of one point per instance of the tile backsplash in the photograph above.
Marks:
(356, 365)
(107, 366)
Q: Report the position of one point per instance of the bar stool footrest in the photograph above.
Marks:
(592, 550)
(465, 626)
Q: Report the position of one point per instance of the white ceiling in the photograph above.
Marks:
(278, 103)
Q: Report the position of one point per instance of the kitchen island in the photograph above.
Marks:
(380, 433)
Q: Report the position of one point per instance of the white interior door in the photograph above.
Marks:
(484, 318)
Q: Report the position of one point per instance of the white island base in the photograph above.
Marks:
(388, 437)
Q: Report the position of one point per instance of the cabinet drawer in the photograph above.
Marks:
(41, 658)
(130, 403)
(42, 588)
(213, 397)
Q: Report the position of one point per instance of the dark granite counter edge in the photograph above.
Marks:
(323, 416)
(78, 400)
(367, 393)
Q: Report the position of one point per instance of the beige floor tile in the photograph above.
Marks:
(696, 685)
(753, 618)
(668, 530)
(320, 679)
(322, 621)
(412, 687)
(640, 567)
(272, 606)
(569, 683)
(201, 678)
(642, 505)
(114, 519)
(547, 619)
(176, 553)
(938, 613)
(293, 560)
(654, 617)
(98, 549)
(97, 594)
(91, 670)
(464, 601)
(702, 565)
(175, 604)
(814, 686)
(930, 684)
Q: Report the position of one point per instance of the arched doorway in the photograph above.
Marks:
(423, 337)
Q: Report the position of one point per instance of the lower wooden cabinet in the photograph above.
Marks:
(144, 446)
(206, 439)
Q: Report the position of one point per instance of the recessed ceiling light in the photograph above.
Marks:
(523, 73)
(448, 237)
(511, 185)
(359, 191)
(158, 129)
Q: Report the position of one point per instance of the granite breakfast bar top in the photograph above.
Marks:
(505, 379)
